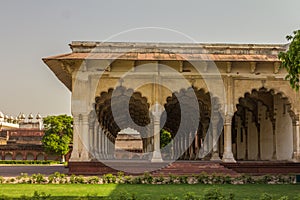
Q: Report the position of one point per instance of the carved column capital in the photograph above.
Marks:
(156, 110)
(228, 119)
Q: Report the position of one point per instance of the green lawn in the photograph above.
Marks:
(146, 191)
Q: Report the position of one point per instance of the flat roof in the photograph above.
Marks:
(89, 50)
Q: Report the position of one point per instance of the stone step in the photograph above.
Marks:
(193, 168)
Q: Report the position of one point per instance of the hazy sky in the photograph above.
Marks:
(31, 30)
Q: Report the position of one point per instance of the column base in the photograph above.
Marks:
(296, 157)
(85, 156)
(215, 157)
(228, 157)
(74, 156)
(156, 157)
(274, 158)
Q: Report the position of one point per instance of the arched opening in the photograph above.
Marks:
(128, 144)
(119, 109)
(262, 127)
(19, 156)
(40, 156)
(8, 156)
(30, 156)
(197, 140)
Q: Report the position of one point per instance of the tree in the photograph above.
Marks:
(290, 60)
(58, 134)
(165, 138)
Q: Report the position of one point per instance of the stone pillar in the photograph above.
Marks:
(215, 151)
(85, 138)
(274, 156)
(104, 144)
(296, 140)
(156, 111)
(228, 155)
(75, 150)
(215, 137)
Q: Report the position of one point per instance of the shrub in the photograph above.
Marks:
(37, 178)
(120, 177)
(216, 194)
(93, 180)
(183, 179)
(23, 178)
(160, 179)
(147, 178)
(246, 179)
(79, 179)
(266, 179)
(1, 179)
(76, 179)
(40, 196)
(137, 180)
(128, 179)
(29, 162)
(191, 196)
(109, 178)
(72, 179)
(57, 178)
(202, 178)
(172, 179)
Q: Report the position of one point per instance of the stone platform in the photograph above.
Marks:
(183, 167)
(264, 167)
(156, 169)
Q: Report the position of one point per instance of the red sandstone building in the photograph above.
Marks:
(21, 139)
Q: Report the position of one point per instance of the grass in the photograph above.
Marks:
(69, 191)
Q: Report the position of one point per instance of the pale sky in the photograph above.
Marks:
(31, 30)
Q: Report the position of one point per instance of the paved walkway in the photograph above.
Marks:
(11, 171)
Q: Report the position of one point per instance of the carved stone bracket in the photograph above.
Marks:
(276, 67)
(228, 67)
(252, 67)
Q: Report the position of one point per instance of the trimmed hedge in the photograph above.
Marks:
(30, 162)
(147, 178)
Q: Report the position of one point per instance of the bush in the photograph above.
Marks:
(93, 180)
(173, 179)
(183, 179)
(137, 180)
(216, 194)
(79, 179)
(147, 178)
(2, 180)
(29, 162)
(57, 178)
(40, 196)
(191, 196)
(109, 178)
(202, 178)
(37, 178)
(160, 179)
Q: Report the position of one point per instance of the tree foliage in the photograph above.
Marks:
(165, 138)
(290, 60)
(58, 134)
